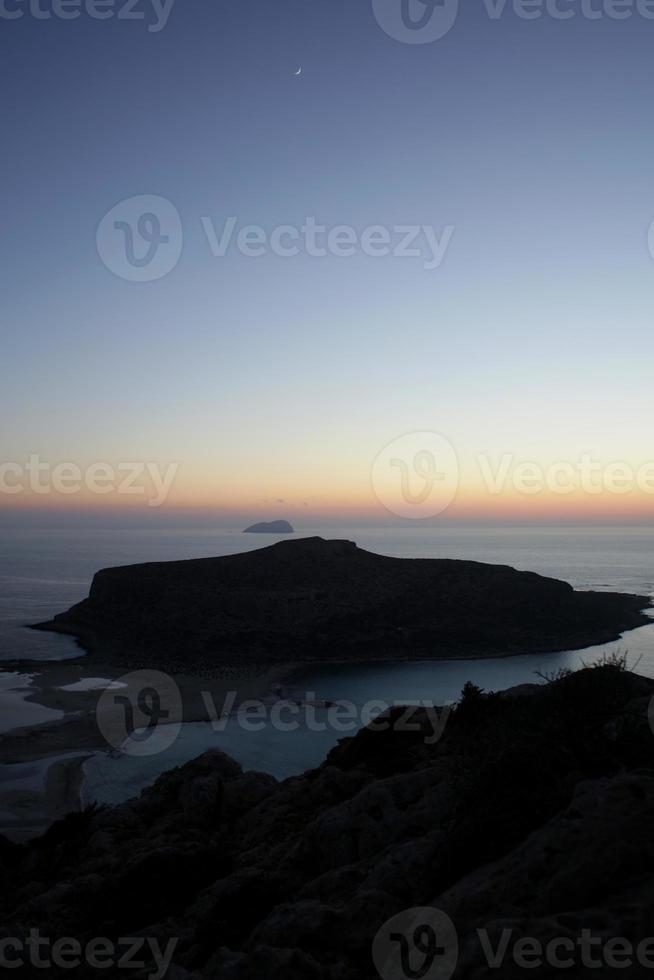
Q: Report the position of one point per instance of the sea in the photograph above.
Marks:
(44, 571)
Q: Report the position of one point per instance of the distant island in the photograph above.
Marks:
(270, 527)
(329, 601)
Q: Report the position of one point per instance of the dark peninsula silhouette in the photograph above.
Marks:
(315, 600)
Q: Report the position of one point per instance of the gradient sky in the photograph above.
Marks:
(274, 378)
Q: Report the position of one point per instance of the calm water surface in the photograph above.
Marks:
(44, 572)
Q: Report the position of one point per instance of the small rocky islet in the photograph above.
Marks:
(270, 527)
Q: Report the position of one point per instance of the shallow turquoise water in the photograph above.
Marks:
(44, 572)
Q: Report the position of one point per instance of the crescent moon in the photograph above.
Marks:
(298, 72)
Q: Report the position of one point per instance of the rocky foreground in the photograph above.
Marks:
(532, 814)
(312, 599)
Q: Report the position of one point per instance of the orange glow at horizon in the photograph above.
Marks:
(347, 502)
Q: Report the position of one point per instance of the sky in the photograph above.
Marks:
(517, 156)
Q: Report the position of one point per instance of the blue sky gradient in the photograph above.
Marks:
(286, 376)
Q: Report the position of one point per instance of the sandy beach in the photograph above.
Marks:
(41, 766)
(33, 796)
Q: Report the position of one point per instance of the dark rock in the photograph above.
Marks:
(319, 600)
(270, 527)
(526, 815)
